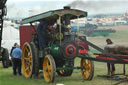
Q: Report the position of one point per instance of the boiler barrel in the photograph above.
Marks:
(117, 49)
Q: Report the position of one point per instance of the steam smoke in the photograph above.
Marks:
(97, 5)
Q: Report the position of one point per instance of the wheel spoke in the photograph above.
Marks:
(26, 69)
(27, 58)
(84, 70)
(27, 49)
(89, 71)
(84, 62)
(87, 67)
(49, 67)
(29, 64)
(30, 61)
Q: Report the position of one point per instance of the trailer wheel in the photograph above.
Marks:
(5, 58)
(49, 68)
(29, 56)
(66, 72)
(88, 70)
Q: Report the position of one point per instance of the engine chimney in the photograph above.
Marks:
(66, 7)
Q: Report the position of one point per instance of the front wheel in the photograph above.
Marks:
(49, 68)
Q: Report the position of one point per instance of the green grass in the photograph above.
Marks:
(7, 78)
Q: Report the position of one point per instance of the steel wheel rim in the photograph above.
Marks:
(86, 72)
(47, 69)
(27, 61)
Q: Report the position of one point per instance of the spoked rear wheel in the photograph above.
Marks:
(49, 68)
(88, 70)
(28, 59)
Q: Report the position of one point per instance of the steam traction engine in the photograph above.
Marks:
(62, 46)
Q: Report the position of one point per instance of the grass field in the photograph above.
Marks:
(7, 78)
(120, 37)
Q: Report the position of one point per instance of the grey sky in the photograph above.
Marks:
(24, 8)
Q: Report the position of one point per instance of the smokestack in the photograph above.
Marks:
(66, 7)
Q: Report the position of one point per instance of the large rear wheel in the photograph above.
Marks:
(49, 68)
(29, 60)
(88, 70)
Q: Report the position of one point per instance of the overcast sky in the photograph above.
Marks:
(25, 8)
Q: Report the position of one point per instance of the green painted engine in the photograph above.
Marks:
(61, 50)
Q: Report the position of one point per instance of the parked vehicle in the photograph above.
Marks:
(4, 55)
(62, 47)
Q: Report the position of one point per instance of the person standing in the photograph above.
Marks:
(16, 55)
(111, 67)
(41, 31)
(14, 46)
